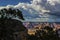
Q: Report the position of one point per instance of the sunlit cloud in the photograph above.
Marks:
(38, 8)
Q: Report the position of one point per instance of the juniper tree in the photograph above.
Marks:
(10, 26)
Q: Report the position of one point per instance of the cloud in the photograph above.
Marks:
(34, 5)
(53, 2)
(41, 6)
(38, 8)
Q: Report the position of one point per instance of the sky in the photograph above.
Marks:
(11, 2)
(36, 10)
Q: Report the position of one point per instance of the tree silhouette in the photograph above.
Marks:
(11, 29)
